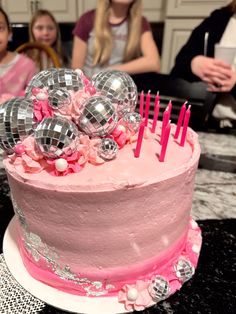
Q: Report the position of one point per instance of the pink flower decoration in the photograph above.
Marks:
(42, 110)
(88, 150)
(30, 160)
(73, 165)
(143, 299)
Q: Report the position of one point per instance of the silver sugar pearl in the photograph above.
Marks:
(16, 122)
(131, 121)
(99, 117)
(40, 80)
(159, 289)
(184, 270)
(56, 136)
(59, 98)
(119, 87)
(107, 149)
(67, 79)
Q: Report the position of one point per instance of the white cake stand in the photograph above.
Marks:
(49, 295)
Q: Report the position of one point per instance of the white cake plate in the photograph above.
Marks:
(59, 299)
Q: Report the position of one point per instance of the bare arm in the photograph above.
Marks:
(78, 53)
(148, 62)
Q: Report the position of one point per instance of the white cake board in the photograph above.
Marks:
(59, 299)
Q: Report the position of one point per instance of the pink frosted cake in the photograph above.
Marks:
(96, 227)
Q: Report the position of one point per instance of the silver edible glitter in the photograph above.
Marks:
(131, 121)
(16, 122)
(119, 87)
(56, 136)
(65, 78)
(59, 98)
(184, 270)
(107, 149)
(159, 289)
(40, 80)
(99, 117)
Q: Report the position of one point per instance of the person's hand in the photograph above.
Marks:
(218, 75)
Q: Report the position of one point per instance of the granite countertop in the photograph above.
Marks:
(213, 287)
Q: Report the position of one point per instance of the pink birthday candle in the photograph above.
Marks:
(141, 104)
(156, 112)
(147, 107)
(164, 123)
(180, 120)
(139, 141)
(165, 142)
(169, 107)
(185, 126)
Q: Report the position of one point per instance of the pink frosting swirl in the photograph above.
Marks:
(31, 160)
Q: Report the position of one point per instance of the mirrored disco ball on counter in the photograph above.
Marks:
(119, 87)
(56, 136)
(40, 80)
(16, 122)
(67, 79)
(99, 117)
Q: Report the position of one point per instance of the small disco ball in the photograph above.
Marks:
(67, 79)
(16, 122)
(56, 136)
(99, 116)
(119, 87)
(107, 149)
(159, 289)
(59, 98)
(40, 80)
(184, 270)
(131, 121)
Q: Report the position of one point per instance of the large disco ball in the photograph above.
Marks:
(40, 80)
(67, 79)
(99, 116)
(16, 122)
(119, 87)
(56, 136)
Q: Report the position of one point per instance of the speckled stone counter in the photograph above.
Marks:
(212, 290)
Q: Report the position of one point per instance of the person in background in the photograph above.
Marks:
(43, 28)
(16, 70)
(196, 62)
(114, 36)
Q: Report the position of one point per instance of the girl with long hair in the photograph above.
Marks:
(115, 36)
(43, 28)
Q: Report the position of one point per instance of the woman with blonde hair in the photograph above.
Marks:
(115, 36)
(44, 29)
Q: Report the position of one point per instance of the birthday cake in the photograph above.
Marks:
(102, 194)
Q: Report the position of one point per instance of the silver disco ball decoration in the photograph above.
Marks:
(59, 98)
(56, 136)
(132, 121)
(184, 270)
(40, 80)
(159, 289)
(16, 122)
(99, 117)
(107, 149)
(119, 87)
(67, 79)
